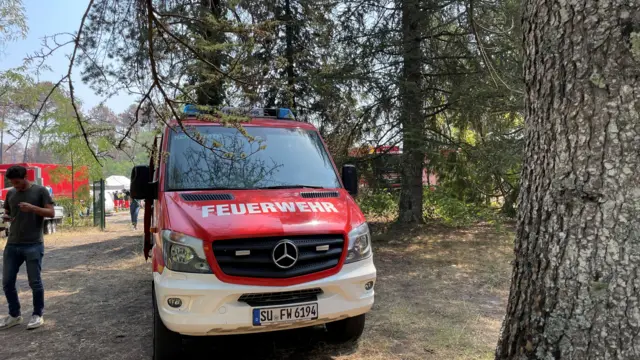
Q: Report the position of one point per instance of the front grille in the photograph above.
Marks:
(253, 257)
(281, 298)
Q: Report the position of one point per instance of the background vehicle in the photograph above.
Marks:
(55, 177)
(383, 165)
(253, 232)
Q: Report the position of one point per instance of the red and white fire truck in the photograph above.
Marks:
(255, 231)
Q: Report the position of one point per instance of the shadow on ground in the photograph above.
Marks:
(291, 345)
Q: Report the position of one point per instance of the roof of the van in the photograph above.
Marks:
(265, 122)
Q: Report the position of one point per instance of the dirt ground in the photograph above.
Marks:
(440, 294)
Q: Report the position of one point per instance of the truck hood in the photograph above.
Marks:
(216, 215)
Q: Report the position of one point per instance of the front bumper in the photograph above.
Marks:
(211, 307)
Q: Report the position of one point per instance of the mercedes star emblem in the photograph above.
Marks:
(285, 254)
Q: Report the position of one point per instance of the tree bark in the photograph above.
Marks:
(2, 125)
(575, 286)
(289, 33)
(25, 156)
(41, 134)
(411, 117)
(211, 89)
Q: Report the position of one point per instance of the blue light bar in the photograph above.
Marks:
(284, 113)
(278, 113)
(189, 109)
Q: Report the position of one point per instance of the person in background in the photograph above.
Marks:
(50, 190)
(134, 209)
(25, 206)
(127, 197)
(116, 200)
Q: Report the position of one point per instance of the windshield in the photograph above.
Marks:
(267, 157)
(387, 163)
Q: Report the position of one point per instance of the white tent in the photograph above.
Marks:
(117, 182)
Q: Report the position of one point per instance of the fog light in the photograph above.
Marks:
(368, 286)
(174, 302)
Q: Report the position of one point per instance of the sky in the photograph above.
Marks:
(48, 17)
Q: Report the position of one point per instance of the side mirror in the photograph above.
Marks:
(350, 179)
(141, 186)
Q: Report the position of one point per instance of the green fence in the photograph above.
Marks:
(98, 204)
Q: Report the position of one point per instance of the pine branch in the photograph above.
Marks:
(196, 53)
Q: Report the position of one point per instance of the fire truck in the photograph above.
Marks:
(55, 178)
(259, 233)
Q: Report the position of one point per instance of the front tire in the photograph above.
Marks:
(167, 345)
(347, 330)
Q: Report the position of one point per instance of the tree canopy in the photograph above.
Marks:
(439, 79)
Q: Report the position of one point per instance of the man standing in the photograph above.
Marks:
(134, 208)
(25, 207)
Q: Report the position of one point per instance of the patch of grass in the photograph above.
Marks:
(441, 293)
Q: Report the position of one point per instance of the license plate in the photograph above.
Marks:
(285, 314)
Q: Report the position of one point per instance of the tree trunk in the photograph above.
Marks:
(411, 117)
(40, 143)
(291, 77)
(575, 287)
(211, 90)
(2, 125)
(25, 156)
(73, 194)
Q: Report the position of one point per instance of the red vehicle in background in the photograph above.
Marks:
(385, 167)
(56, 178)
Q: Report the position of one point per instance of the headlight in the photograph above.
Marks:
(184, 253)
(359, 244)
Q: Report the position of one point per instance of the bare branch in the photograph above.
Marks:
(137, 117)
(71, 93)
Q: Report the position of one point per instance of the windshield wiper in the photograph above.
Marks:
(291, 187)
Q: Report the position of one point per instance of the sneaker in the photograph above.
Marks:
(10, 321)
(35, 322)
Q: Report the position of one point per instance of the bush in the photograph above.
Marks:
(79, 208)
(380, 203)
(441, 205)
(78, 222)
